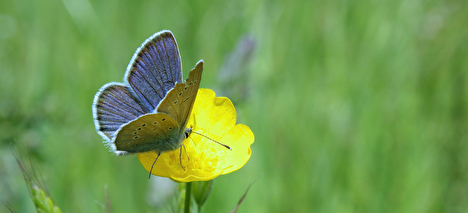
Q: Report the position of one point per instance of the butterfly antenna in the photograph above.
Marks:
(149, 176)
(226, 146)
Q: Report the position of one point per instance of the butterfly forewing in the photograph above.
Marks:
(179, 101)
(156, 131)
(114, 105)
(154, 69)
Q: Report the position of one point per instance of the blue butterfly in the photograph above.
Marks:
(149, 111)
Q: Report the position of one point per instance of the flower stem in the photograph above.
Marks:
(188, 196)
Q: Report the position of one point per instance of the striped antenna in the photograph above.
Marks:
(226, 146)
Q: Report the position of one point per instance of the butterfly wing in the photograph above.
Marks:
(154, 69)
(156, 131)
(179, 101)
(113, 106)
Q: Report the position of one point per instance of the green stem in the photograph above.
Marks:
(188, 196)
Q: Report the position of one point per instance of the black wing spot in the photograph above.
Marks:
(155, 123)
(135, 133)
(186, 99)
(139, 129)
(195, 81)
(175, 102)
(143, 124)
(163, 119)
(190, 83)
(185, 88)
(136, 137)
(170, 128)
(180, 94)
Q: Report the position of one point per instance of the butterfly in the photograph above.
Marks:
(150, 109)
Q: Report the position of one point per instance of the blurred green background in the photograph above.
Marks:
(356, 106)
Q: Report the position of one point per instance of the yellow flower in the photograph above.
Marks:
(214, 117)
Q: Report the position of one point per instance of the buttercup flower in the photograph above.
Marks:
(214, 117)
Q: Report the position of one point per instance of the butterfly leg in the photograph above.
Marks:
(186, 152)
(149, 176)
(180, 157)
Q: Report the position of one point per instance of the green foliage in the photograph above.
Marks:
(201, 191)
(42, 201)
(356, 106)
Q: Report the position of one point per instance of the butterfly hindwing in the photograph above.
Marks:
(155, 131)
(179, 102)
(154, 69)
(113, 106)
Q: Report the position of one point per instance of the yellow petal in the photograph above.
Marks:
(215, 119)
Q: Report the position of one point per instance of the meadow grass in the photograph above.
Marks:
(356, 106)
